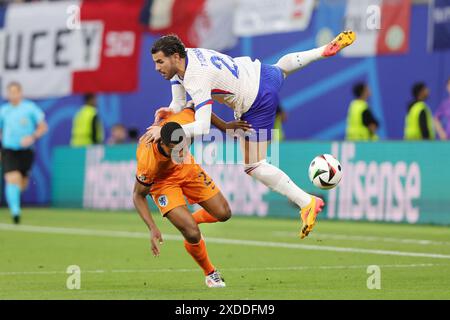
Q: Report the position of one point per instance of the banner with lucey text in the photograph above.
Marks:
(60, 48)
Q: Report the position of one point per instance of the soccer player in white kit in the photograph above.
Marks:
(251, 89)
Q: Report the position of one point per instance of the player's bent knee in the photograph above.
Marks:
(225, 213)
(14, 177)
(192, 234)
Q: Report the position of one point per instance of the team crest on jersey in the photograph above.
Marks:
(163, 201)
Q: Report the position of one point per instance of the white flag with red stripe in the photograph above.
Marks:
(256, 17)
(381, 26)
(199, 23)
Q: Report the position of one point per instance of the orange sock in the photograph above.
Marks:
(200, 255)
(202, 216)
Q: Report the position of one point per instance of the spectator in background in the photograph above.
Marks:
(280, 118)
(442, 116)
(361, 124)
(119, 134)
(419, 120)
(87, 128)
(22, 123)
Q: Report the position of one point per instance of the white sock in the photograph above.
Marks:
(293, 62)
(278, 181)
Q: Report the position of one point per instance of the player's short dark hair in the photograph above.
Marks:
(417, 89)
(14, 84)
(358, 89)
(172, 133)
(169, 45)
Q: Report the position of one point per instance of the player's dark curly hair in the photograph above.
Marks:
(169, 45)
(172, 133)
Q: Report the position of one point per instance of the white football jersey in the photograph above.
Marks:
(211, 75)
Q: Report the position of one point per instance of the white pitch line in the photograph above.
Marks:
(292, 268)
(333, 236)
(254, 243)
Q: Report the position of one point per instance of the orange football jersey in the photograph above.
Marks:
(153, 165)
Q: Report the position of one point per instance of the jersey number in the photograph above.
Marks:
(219, 61)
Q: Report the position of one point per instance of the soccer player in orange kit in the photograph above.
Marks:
(169, 180)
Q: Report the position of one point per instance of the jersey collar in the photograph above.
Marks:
(161, 150)
(186, 61)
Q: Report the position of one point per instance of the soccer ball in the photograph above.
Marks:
(325, 171)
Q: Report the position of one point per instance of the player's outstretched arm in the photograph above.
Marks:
(202, 123)
(140, 193)
(223, 125)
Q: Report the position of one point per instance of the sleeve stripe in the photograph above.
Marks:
(209, 101)
(219, 91)
(173, 82)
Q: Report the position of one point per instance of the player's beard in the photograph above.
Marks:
(169, 74)
(172, 73)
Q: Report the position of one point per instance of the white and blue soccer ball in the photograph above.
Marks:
(325, 171)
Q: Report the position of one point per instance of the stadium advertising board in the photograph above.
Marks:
(385, 181)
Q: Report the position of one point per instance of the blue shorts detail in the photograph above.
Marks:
(261, 114)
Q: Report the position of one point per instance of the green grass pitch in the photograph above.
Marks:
(259, 259)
